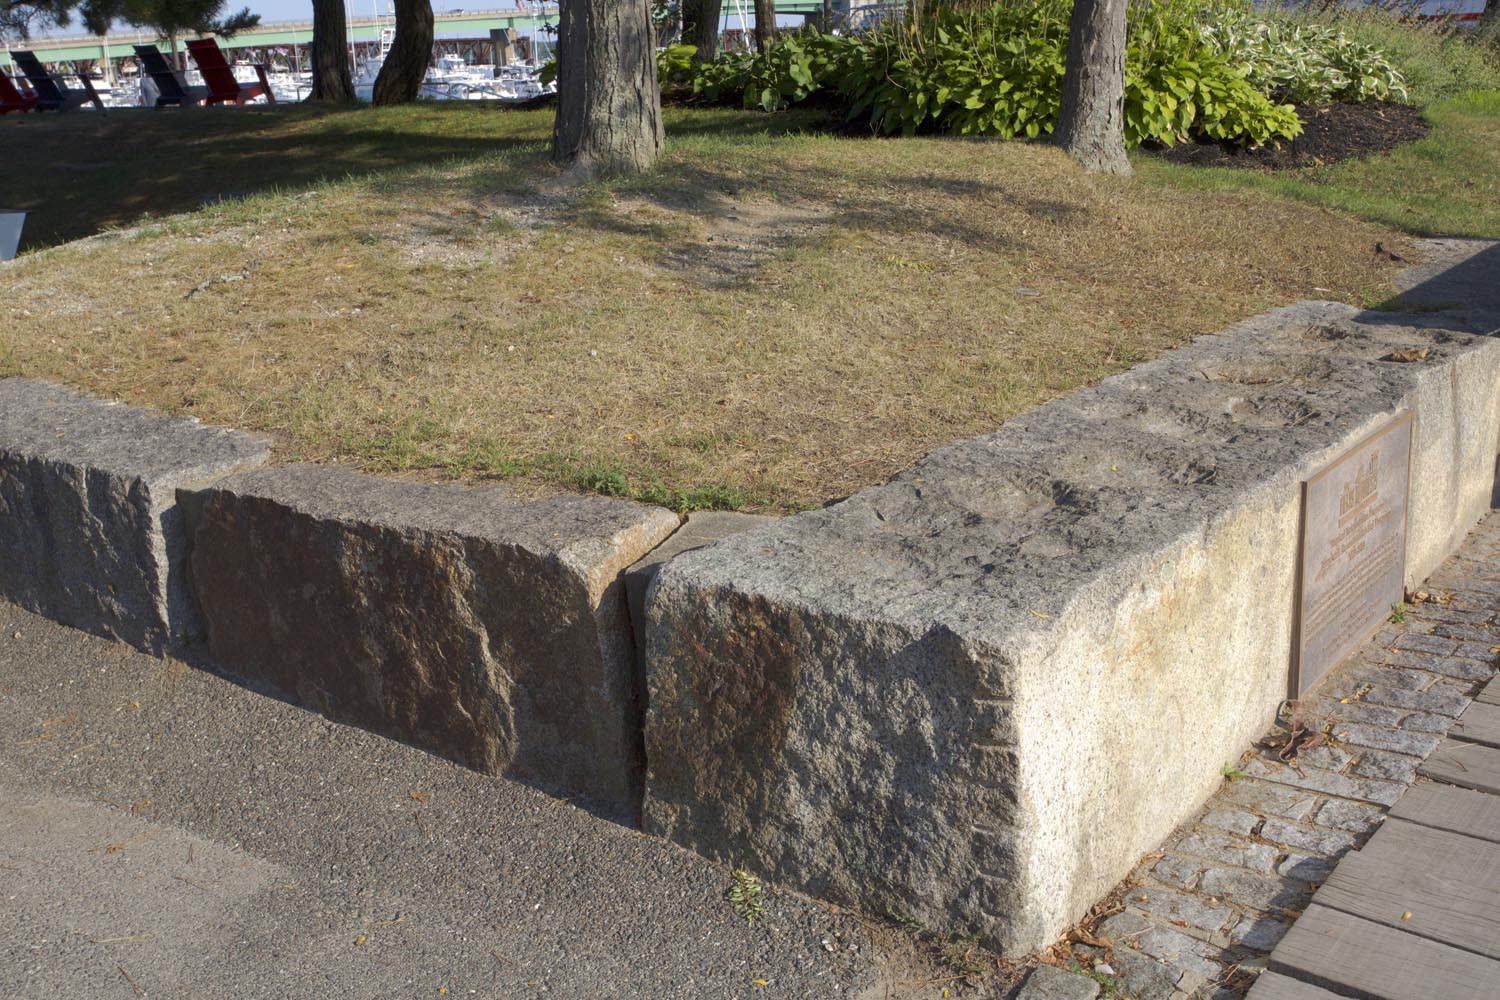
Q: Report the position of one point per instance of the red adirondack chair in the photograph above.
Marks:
(223, 88)
(12, 98)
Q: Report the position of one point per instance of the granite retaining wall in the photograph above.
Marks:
(977, 694)
(974, 695)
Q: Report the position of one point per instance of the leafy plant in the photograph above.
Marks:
(745, 895)
(1230, 772)
(1304, 62)
(997, 69)
(674, 64)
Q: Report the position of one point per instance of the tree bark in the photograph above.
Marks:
(401, 74)
(706, 29)
(332, 80)
(827, 25)
(1091, 125)
(608, 102)
(765, 24)
(688, 14)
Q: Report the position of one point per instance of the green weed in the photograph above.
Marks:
(746, 894)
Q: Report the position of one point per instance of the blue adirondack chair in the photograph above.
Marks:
(171, 89)
(52, 94)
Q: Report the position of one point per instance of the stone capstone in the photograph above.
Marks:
(978, 693)
(486, 629)
(90, 533)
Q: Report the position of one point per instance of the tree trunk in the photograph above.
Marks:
(608, 102)
(765, 24)
(688, 12)
(401, 74)
(331, 77)
(706, 27)
(1091, 125)
(827, 24)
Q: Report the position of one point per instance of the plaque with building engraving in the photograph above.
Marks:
(1353, 550)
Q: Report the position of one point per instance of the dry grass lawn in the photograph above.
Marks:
(767, 322)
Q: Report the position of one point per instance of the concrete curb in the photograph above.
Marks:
(976, 695)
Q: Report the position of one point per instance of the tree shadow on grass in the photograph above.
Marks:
(806, 205)
(82, 174)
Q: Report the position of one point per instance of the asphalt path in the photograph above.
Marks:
(167, 832)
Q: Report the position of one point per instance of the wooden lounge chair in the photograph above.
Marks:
(171, 89)
(52, 94)
(219, 75)
(13, 98)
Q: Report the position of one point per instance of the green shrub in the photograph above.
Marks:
(1214, 70)
(1438, 59)
(997, 69)
(674, 64)
(1304, 62)
(726, 78)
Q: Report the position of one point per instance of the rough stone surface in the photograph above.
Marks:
(482, 628)
(1232, 820)
(1048, 983)
(1437, 700)
(1306, 838)
(1259, 934)
(1377, 738)
(1295, 809)
(89, 530)
(1034, 646)
(1220, 847)
(697, 530)
(1354, 817)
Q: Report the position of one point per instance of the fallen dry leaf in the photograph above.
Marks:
(1407, 355)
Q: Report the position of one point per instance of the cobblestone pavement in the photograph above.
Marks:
(1199, 918)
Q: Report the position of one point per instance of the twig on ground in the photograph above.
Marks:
(133, 984)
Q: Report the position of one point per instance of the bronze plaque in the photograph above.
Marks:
(1353, 551)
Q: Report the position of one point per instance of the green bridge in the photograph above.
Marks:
(296, 34)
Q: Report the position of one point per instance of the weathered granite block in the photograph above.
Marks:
(483, 628)
(697, 530)
(89, 530)
(980, 692)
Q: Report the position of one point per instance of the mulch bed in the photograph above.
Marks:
(1330, 134)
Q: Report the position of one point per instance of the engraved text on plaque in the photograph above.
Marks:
(1353, 549)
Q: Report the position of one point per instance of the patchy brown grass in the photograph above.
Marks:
(765, 322)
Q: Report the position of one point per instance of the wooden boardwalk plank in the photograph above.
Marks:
(1480, 723)
(1356, 957)
(1449, 883)
(1490, 693)
(1468, 765)
(1473, 814)
(1270, 986)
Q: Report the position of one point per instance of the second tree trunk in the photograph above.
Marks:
(331, 80)
(608, 101)
(765, 24)
(706, 29)
(401, 74)
(1091, 125)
